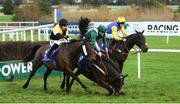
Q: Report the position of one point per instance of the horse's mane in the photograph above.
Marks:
(83, 26)
(129, 36)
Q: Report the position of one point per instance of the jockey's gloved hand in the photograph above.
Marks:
(106, 50)
(99, 53)
(124, 39)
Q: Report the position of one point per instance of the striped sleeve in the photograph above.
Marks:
(114, 33)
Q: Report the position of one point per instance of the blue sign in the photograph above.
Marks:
(58, 13)
(73, 27)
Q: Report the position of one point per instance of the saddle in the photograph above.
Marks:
(82, 61)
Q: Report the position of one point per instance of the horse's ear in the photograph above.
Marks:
(142, 32)
(124, 76)
(136, 31)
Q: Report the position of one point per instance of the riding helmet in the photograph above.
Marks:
(63, 22)
(102, 28)
(121, 20)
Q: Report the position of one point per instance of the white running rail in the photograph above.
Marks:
(41, 30)
(19, 24)
(153, 50)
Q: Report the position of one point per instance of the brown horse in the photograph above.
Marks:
(104, 74)
(101, 71)
(65, 59)
(120, 50)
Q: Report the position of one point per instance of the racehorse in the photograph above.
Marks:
(120, 50)
(100, 71)
(65, 59)
(104, 74)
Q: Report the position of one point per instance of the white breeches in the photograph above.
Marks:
(52, 42)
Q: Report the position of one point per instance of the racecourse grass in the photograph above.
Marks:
(6, 18)
(159, 82)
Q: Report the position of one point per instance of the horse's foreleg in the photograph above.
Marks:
(121, 67)
(46, 74)
(63, 82)
(106, 86)
(77, 73)
(67, 83)
(70, 72)
(35, 67)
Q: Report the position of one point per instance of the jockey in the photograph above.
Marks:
(116, 26)
(95, 34)
(58, 34)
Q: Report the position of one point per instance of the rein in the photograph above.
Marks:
(126, 48)
(102, 63)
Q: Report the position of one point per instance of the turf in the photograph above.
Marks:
(6, 18)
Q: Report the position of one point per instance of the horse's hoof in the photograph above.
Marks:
(110, 91)
(122, 93)
(116, 94)
(88, 91)
(24, 86)
(62, 86)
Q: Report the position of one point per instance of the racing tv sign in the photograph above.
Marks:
(162, 28)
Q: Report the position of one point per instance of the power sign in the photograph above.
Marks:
(13, 68)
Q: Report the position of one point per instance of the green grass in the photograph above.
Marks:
(6, 18)
(159, 82)
(159, 42)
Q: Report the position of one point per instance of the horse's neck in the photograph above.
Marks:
(130, 42)
(75, 48)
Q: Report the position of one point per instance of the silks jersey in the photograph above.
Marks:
(92, 35)
(113, 28)
(57, 33)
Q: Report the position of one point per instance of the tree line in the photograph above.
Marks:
(43, 8)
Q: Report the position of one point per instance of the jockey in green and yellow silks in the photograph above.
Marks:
(116, 26)
(58, 34)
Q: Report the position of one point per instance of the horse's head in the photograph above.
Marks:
(140, 41)
(88, 50)
(118, 83)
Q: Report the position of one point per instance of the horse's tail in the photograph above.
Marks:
(83, 25)
(31, 55)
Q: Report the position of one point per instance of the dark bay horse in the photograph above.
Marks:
(120, 50)
(65, 59)
(104, 74)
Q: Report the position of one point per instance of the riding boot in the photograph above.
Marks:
(54, 47)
